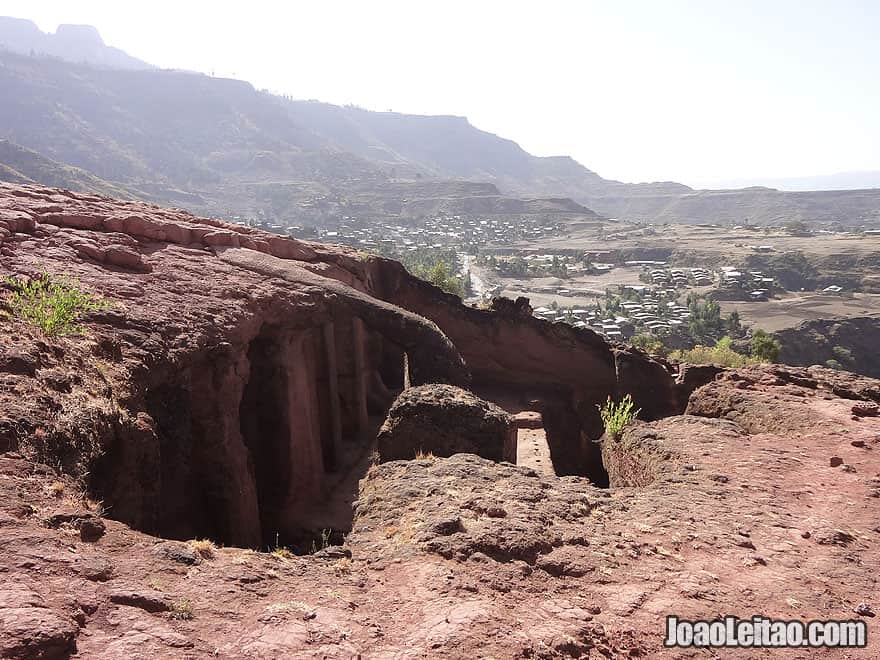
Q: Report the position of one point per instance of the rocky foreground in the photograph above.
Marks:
(234, 385)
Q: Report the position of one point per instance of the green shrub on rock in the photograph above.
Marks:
(55, 305)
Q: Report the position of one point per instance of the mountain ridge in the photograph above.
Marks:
(217, 142)
(76, 43)
(854, 180)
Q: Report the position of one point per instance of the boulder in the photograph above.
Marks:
(145, 599)
(36, 632)
(29, 628)
(444, 420)
(865, 409)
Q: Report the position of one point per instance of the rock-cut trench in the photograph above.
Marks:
(261, 443)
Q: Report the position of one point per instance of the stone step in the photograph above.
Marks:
(528, 419)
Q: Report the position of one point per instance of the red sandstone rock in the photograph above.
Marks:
(227, 390)
(865, 408)
(14, 221)
(124, 257)
(145, 599)
(441, 420)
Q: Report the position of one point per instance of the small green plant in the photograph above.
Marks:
(617, 415)
(842, 355)
(55, 305)
(181, 611)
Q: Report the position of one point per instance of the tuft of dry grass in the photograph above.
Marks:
(398, 535)
(291, 608)
(156, 582)
(244, 558)
(181, 611)
(95, 506)
(282, 553)
(205, 548)
(56, 489)
(425, 456)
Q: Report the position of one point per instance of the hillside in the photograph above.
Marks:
(20, 165)
(231, 148)
(448, 146)
(214, 145)
(845, 343)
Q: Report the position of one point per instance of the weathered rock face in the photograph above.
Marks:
(444, 420)
(737, 395)
(222, 385)
(199, 293)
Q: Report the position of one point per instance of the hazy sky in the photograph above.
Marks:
(636, 90)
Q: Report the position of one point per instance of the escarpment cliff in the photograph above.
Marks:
(194, 474)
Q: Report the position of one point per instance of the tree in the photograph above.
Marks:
(437, 266)
(648, 343)
(764, 347)
(705, 322)
(733, 322)
(721, 354)
(797, 228)
(842, 355)
(440, 276)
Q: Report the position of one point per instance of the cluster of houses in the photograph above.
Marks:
(755, 282)
(680, 278)
(442, 231)
(654, 315)
(557, 290)
(547, 260)
(650, 313)
(583, 318)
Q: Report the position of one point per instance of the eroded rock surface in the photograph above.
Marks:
(444, 420)
(237, 379)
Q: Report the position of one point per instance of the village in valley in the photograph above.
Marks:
(628, 280)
